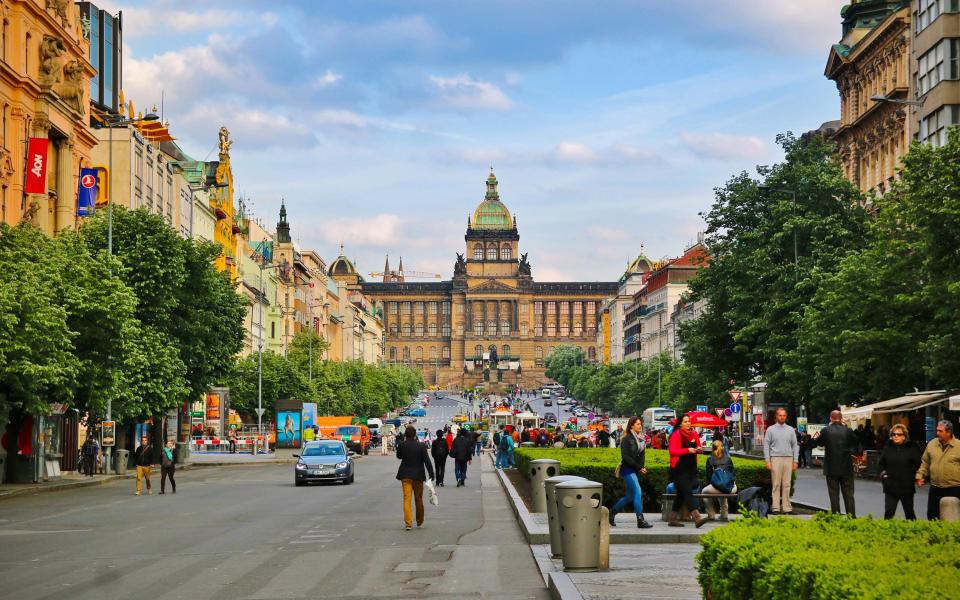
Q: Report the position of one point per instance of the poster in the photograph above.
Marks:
(288, 429)
(309, 414)
(813, 428)
(108, 433)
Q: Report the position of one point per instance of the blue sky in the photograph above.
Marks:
(608, 123)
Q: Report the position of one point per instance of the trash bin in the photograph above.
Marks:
(183, 452)
(540, 470)
(553, 519)
(121, 461)
(579, 506)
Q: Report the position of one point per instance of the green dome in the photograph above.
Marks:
(492, 213)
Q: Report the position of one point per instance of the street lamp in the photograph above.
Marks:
(261, 297)
(884, 99)
(793, 196)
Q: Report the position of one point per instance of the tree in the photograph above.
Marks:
(304, 345)
(281, 380)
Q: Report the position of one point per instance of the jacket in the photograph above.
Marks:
(714, 463)
(143, 456)
(839, 445)
(166, 461)
(413, 459)
(439, 450)
(462, 448)
(898, 464)
(941, 463)
(633, 455)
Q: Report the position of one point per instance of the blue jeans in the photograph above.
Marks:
(633, 496)
(460, 469)
(501, 459)
(478, 447)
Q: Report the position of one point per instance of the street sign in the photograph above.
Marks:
(108, 433)
(260, 411)
(734, 395)
(726, 412)
(721, 411)
(735, 408)
(702, 408)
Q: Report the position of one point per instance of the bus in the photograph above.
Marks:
(658, 418)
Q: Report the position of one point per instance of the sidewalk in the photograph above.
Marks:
(811, 490)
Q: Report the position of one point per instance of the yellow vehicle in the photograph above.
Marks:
(460, 419)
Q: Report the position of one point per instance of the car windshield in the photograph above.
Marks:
(348, 431)
(323, 450)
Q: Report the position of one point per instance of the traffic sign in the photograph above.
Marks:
(735, 408)
(721, 411)
(735, 395)
(260, 411)
(702, 408)
(726, 412)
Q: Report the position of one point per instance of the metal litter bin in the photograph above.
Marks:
(122, 457)
(541, 469)
(553, 517)
(579, 505)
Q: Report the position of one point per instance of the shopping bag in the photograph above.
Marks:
(434, 499)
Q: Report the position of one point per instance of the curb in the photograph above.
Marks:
(521, 513)
(561, 587)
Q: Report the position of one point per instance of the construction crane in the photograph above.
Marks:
(405, 273)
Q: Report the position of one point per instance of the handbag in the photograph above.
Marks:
(434, 499)
(722, 479)
(616, 472)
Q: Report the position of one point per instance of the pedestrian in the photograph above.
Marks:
(684, 444)
(618, 436)
(603, 437)
(90, 451)
(449, 438)
(497, 436)
(414, 458)
(439, 452)
(781, 453)
(632, 466)
(806, 451)
(722, 480)
(899, 462)
(142, 459)
(477, 443)
(168, 467)
(231, 439)
(506, 446)
(941, 461)
(840, 444)
(462, 456)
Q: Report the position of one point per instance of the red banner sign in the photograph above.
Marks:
(36, 182)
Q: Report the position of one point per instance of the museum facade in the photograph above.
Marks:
(491, 322)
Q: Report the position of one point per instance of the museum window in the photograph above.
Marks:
(419, 354)
(551, 330)
(432, 308)
(564, 308)
(445, 330)
(505, 328)
(392, 307)
(459, 309)
(446, 353)
(433, 330)
(419, 329)
(406, 329)
(393, 353)
(538, 356)
(478, 328)
(505, 253)
(591, 308)
(538, 308)
(505, 353)
(523, 329)
(478, 252)
(564, 330)
(406, 308)
(445, 308)
(491, 328)
(418, 308)
(577, 329)
(406, 354)
(538, 330)
(592, 354)
(492, 253)
(394, 329)
(578, 307)
(551, 308)
(478, 351)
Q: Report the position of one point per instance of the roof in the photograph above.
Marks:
(342, 266)
(905, 403)
(492, 213)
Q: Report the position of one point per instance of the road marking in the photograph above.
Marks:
(28, 532)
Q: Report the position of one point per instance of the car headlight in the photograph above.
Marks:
(343, 465)
(300, 465)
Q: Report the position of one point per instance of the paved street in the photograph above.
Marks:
(247, 532)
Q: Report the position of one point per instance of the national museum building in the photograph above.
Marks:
(491, 322)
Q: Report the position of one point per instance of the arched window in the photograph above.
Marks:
(478, 252)
(492, 252)
(406, 329)
(506, 351)
(419, 353)
(478, 350)
(419, 329)
(505, 253)
(446, 353)
(433, 330)
(394, 329)
(393, 353)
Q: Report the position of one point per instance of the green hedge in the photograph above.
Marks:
(829, 557)
(597, 464)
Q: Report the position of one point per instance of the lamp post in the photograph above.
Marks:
(884, 99)
(261, 298)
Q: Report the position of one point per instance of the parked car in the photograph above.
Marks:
(548, 402)
(461, 418)
(417, 412)
(561, 401)
(549, 417)
(326, 460)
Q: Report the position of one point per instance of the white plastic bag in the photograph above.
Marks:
(434, 499)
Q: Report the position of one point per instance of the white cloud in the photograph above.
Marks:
(723, 146)
(379, 230)
(327, 79)
(463, 91)
(608, 234)
(575, 152)
(143, 22)
(632, 153)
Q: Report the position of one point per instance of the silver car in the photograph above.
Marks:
(324, 460)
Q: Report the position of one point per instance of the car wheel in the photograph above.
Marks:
(299, 483)
(350, 480)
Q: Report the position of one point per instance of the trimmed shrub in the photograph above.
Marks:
(829, 557)
(598, 464)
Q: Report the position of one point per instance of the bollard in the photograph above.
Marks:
(950, 510)
(541, 470)
(578, 505)
(603, 561)
(553, 517)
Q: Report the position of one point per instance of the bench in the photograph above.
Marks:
(666, 503)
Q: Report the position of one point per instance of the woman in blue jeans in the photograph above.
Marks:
(632, 461)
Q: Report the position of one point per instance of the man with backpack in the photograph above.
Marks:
(506, 448)
(90, 452)
(497, 436)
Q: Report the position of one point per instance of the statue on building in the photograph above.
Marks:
(60, 7)
(71, 91)
(460, 268)
(225, 142)
(524, 268)
(51, 49)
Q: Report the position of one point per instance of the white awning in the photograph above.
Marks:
(893, 405)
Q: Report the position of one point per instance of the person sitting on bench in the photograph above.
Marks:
(721, 476)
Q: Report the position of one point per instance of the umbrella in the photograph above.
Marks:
(703, 419)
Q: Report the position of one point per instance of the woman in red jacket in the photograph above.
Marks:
(684, 444)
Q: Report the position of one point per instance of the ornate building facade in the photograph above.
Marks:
(873, 60)
(491, 322)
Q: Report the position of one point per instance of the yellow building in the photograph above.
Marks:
(44, 93)
(872, 62)
(491, 322)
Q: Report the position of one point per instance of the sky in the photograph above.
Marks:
(608, 123)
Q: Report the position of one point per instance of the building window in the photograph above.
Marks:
(492, 253)
(478, 351)
(445, 308)
(446, 353)
(538, 356)
(491, 328)
(523, 329)
(406, 329)
(433, 353)
(592, 354)
(419, 354)
(578, 307)
(445, 331)
(392, 307)
(478, 328)
(478, 252)
(419, 329)
(577, 329)
(505, 352)
(273, 331)
(591, 308)
(406, 308)
(551, 330)
(564, 308)
(929, 10)
(937, 64)
(505, 328)
(393, 353)
(538, 330)
(432, 308)
(538, 308)
(394, 329)
(551, 308)
(418, 308)
(564, 330)
(433, 330)
(505, 253)
(933, 129)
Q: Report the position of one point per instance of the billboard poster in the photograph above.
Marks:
(108, 433)
(309, 414)
(288, 429)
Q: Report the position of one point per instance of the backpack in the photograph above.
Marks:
(722, 480)
(496, 439)
(504, 444)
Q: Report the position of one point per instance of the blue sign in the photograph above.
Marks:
(735, 408)
(88, 187)
(701, 408)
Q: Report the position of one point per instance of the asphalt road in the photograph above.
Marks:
(246, 532)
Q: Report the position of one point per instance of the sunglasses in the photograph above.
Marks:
(896, 435)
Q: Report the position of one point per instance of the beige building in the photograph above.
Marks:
(936, 52)
(871, 66)
(44, 93)
(612, 338)
(491, 322)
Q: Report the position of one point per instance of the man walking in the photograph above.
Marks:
(90, 452)
(142, 459)
(941, 461)
(603, 437)
(839, 444)
(462, 455)
(439, 452)
(497, 440)
(167, 468)
(781, 453)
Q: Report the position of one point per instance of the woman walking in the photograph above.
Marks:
(168, 466)
(899, 462)
(721, 464)
(414, 458)
(632, 465)
(684, 443)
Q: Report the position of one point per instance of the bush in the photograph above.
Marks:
(598, 464)
(829, 557)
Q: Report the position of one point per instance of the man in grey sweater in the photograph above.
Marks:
(781, 452)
